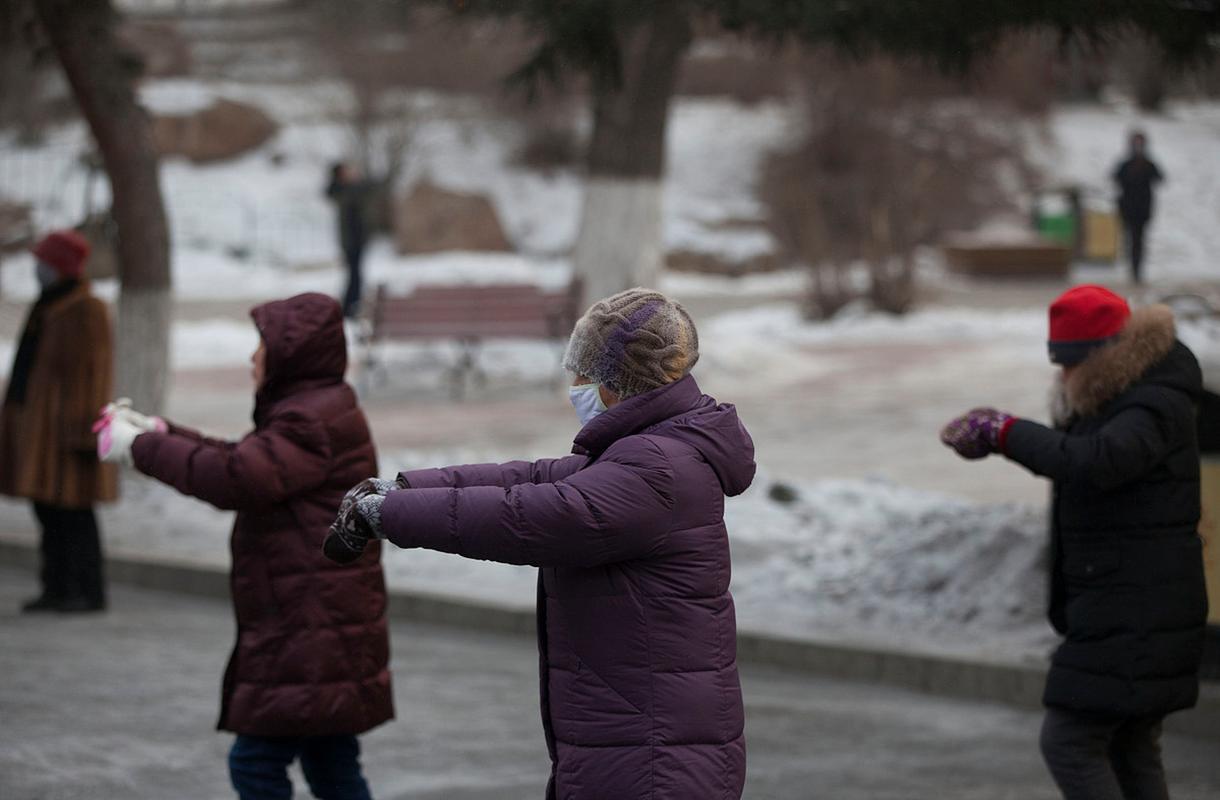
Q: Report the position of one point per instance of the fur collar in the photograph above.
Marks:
(1110, 370)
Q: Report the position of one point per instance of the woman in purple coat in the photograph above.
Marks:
(640, 694)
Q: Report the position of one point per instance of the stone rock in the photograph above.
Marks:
(221, 131)
(431, 219)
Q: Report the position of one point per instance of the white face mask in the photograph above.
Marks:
(587, 400)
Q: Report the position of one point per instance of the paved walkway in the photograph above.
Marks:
(120, 707)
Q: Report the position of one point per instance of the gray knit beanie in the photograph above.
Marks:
(633, 342)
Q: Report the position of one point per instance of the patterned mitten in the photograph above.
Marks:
(978, 433)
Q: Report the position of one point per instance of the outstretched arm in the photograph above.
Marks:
(615, 510)
(267, 467)
(511, 473)
(1126, 448)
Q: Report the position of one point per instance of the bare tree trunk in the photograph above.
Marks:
(619, 244)
(102, 75)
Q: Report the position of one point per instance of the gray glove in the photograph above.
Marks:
(359, 520)
(367, 487)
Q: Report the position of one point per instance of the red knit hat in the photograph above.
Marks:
(66, 251)
(1082, 319)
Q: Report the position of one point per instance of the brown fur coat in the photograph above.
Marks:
(47, 448)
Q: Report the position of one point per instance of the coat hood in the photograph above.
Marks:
(681, 411)
(1145, 351)
(304, 339)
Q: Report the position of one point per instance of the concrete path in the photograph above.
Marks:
(121, 706)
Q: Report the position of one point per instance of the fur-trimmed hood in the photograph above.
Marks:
(1147, 340)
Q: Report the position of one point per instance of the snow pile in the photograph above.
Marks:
(877, 560)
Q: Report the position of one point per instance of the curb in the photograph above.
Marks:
(1006, 683)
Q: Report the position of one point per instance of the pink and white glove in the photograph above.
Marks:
(122, 408)
(117, 428)
(978, 433)
(114, 439)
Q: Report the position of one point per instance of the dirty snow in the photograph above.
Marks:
(866, 560)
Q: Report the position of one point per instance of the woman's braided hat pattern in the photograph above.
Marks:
(633, 342)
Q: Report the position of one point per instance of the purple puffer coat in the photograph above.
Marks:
(640, 695)
(312, 652)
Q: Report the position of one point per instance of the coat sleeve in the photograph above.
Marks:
(548, 470)
(615, 510)
(290, 457)
(196, 436)
(1124, 450)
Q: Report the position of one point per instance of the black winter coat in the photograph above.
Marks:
(351, 199)
(1135, 178)
(1127, 587)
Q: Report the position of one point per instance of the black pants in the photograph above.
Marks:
(71, 555)
(1104, 759)
(351, 298)
(1134, 229)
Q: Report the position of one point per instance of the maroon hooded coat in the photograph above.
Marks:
(312, 650)
(640, 695)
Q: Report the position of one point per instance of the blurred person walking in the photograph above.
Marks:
(309, 671)
(61, 376)
(1126, 571)
(637, 636)
(351, 195)
(1136, 175)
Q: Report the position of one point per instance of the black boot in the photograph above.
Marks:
(41, 603)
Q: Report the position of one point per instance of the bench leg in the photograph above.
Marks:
(466, 363)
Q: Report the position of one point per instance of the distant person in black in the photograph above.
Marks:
(350, 194)
(1135, 177)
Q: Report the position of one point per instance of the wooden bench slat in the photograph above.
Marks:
(472, 313)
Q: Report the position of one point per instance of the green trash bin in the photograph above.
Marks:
(1055, 219)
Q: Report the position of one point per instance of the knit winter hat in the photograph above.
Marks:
(1082, 319)
(633, 342)
(66, 251)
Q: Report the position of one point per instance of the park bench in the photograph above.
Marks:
(470, 315)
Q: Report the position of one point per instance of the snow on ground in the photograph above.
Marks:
(1184, 238)
(266, 209)
(864, 560)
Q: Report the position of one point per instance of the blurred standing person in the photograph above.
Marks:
(350, 193)
(637, 634)
(309, 671)
(61, 376)
(1135, 176)
(1126, 569)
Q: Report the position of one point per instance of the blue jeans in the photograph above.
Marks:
(258, 767)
